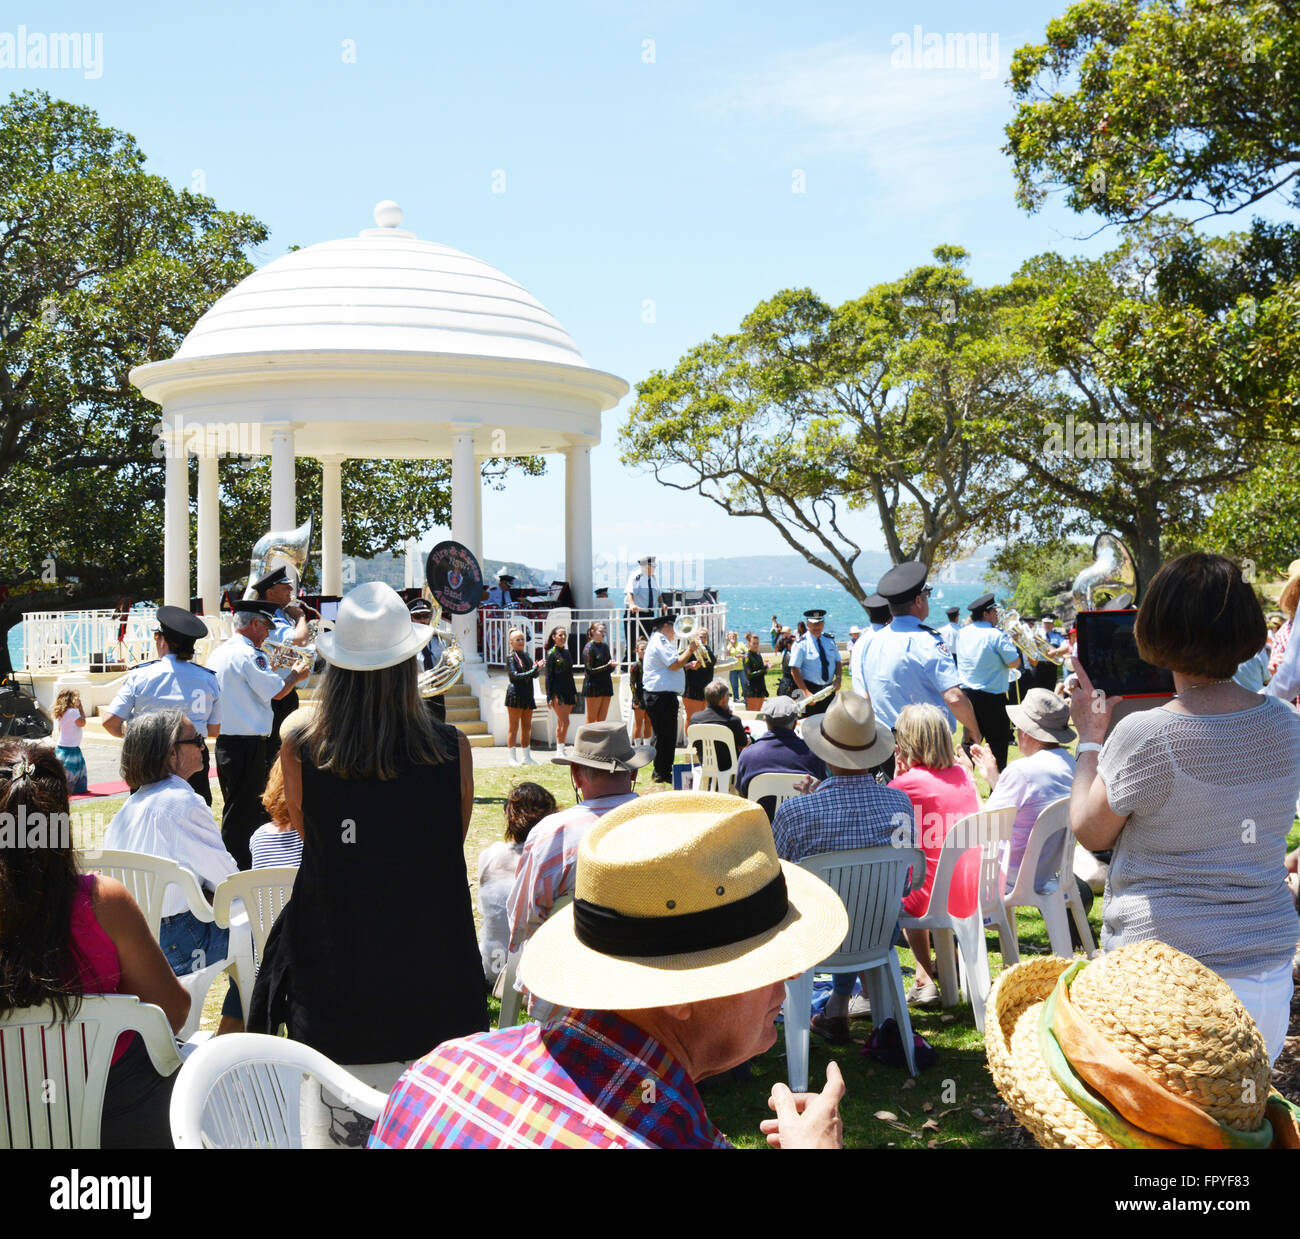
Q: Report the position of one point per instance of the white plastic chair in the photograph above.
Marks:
(262, 894)
(778, 787)
(710, 777)
(147, 878)
(511, 998)
(244, 1091)
(871, 883)
(1057, 898)
(954, 908)
(54, 1071)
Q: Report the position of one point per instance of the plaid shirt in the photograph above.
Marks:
(588, 1081)
(550, 857)
(842, 813)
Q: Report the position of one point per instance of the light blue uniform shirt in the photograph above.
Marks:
(950, 633)
(857, 657)
(1253, 673)
(984, 657)
(659, 677)
(642, 589)
(247, 685)
(908, 664)
(805, 660)
(170, 683)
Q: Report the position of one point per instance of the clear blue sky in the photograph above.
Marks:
(632, 174)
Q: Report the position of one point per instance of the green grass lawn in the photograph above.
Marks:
(952, 1105)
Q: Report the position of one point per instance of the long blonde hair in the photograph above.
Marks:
(68, 699)
(921, 733)
(372, 725)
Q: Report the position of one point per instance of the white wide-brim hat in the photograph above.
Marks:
(373, 631)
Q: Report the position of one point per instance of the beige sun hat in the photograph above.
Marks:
(604, 746)
(373, 630)
(1043, 715)
(1142, 1048)
(681, 898)
(847, 735)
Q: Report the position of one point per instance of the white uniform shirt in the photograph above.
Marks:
(169, 818)
(642, 589)
(169, 683)
(247, 685)
(659, 677)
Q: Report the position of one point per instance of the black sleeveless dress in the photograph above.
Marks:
(375, 959)
(522, 671)
(559, 677)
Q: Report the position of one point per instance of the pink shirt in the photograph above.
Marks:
(93, 952)
(940, 798)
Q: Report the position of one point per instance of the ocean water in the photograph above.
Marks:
(750, 607)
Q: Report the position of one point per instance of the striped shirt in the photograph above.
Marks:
(271, 847)
(589, 1081)
(843, 813)
(547, 865)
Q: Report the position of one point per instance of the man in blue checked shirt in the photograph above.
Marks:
(848, 810)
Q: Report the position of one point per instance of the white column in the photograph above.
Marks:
(464, 523)
(282, 479)
(477, 545)
(331, 524)
(577, 522)
(176, 522)
(209, 533)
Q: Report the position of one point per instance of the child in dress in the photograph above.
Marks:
(526, 805)
(69, 719)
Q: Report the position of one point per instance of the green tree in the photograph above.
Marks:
(811, 411)
(1257, 519)
(1039, 574)
(1129, 106)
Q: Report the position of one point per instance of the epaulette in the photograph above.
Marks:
(150, 663)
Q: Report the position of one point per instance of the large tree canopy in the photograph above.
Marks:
(1130, 106)
(810, 411)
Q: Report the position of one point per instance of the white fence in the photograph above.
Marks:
(621, 630)
(59, 641)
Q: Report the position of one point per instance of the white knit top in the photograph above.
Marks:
(1199, 863)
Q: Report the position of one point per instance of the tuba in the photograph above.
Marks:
(446, 672)
(1110, 582)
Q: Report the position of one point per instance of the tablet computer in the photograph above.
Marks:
(1107, 651)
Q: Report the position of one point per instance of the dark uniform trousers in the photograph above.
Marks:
(662, 709)
(991, 715)
(202, 781)
(818, 707)
(280, 710)
(241, 771)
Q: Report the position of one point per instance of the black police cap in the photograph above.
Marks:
(982, 603)
(177, 622)
(903, 582)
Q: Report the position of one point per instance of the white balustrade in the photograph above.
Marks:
(105, 641)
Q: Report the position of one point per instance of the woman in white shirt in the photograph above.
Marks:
(165, 816)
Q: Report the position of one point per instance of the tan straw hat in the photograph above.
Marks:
(1043, 715)
(681, 898)
(847, 735)
(1141, 1048)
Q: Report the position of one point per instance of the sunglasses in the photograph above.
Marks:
(195, 740)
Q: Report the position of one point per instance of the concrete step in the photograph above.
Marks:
(481, 742)
(469, 714)
(472, 729)
(459, 690)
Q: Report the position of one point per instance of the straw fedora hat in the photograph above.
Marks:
(373, 631)
(1142, 1048)
(681, 898)
(847, 735)
(1043, 715)
(604, 746)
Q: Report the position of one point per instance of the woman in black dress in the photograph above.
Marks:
(561, 694)
(784, 644)
(598, 687)
(755, 670)
(519, 699)
(375, 958)
(641, 729)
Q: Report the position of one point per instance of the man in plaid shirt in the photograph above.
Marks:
(671, 961)
(848, 810)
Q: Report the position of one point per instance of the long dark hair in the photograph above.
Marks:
(37, 884)
(373, 724)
